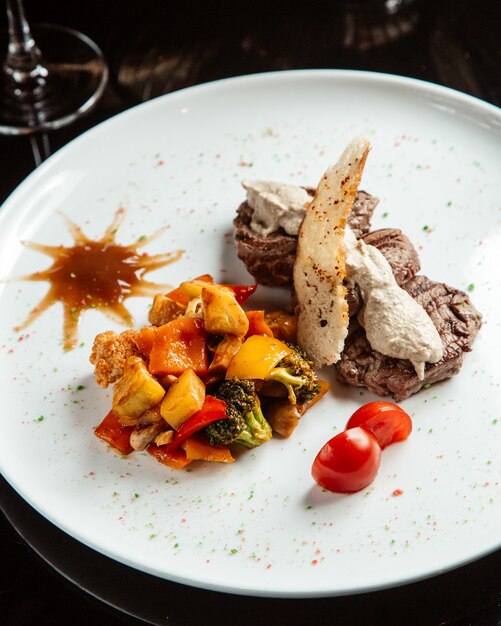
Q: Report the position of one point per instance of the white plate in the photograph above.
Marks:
(260, 526)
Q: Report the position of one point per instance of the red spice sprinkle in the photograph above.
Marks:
(268, 566)
(314, 562)
(243, 164)
(397, 492)
(161, 162)
(183, 519)
(10, 351)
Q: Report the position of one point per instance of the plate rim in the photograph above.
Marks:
(32, 179)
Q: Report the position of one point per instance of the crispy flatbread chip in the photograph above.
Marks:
(319, 268)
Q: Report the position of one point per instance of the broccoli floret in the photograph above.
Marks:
(296, 372)
(245, 423)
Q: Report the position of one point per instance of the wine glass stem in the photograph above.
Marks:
(23, 69)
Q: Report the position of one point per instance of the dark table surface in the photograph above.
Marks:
(155, 47)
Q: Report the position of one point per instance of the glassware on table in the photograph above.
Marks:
(49, 78)
(374, 23)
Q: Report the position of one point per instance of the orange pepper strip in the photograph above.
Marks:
(257, 324)
(197, 448)
(179, 345)
(144, 339)
(116, 435)
(175, 459)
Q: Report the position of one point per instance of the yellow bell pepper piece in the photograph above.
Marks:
(257, 357)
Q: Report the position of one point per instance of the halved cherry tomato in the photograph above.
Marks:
(386, 421)
(348, 462)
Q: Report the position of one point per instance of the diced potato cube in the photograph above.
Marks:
(136, 392)
(193, 288)
(184, 398)
(222, 313)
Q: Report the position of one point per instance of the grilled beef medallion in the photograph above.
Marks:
(457, 322)
(270, 258)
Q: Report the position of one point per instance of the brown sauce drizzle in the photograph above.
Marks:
(96, 274)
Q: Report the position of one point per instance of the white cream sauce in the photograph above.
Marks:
(395, 324)
(276, 205)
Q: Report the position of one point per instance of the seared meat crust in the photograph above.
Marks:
(457, 322)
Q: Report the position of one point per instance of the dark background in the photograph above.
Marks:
(154, 47)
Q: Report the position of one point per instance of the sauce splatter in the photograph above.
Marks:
(96, 274)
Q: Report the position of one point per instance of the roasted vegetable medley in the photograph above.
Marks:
(205, 376)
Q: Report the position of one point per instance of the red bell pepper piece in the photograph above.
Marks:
(175, 459)
(116, 435)
(212, 410)
(242, 292)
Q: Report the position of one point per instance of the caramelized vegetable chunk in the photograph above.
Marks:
(144, 339)
(283, 325)
(142, 436)
(284, 417)
(183, 399)
(178, 346)
(190, 289)
(114, 433)
(164, 310)
(225, 351)
(222, 313)
(136, 392)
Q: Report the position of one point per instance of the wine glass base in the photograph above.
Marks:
(77, 76)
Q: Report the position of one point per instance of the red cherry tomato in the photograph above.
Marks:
(386, 421)
(348, 462)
